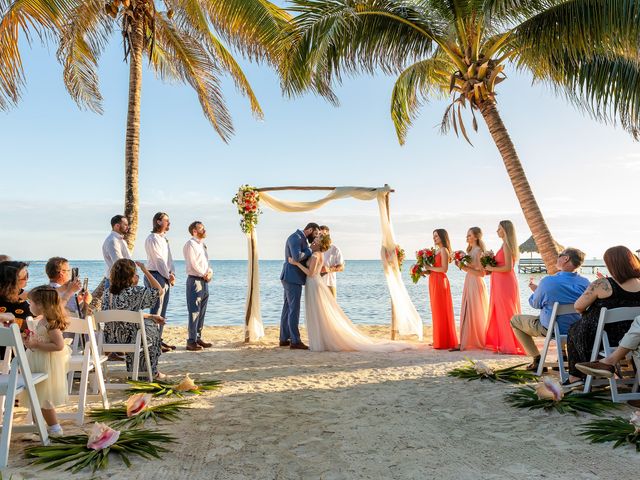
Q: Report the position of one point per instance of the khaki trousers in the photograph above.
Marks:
(525, 327)
(631, 339)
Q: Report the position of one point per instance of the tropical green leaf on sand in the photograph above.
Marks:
(479, 371)
(117, 417)
(595, 403)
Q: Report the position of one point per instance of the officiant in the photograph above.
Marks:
(333, 262)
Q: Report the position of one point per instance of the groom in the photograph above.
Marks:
(297, 247)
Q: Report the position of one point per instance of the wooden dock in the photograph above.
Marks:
(536, 265)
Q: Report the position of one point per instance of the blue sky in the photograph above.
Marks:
(63, 168)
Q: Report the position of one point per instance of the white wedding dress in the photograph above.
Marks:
(329, 328)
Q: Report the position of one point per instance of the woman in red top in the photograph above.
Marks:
(444, 329)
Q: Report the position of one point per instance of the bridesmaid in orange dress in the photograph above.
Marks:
(504, 301)
(475, 301)
(444, 329)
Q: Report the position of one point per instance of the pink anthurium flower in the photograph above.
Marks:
(102, 436)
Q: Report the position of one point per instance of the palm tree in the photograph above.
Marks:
(586, 49)
(41, 17)
(184, 42)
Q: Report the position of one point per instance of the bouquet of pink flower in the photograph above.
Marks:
(488, 258)
(400, 256)
(424, 258)
(248, 202)
(461, 258)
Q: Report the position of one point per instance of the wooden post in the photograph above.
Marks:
(394, 320)
(250, 299)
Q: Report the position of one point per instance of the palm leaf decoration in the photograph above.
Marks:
(586, 50)
(117, 417)
(594, 403)
(161, 388)
(479, 371)
(618, 430)
(73, 450)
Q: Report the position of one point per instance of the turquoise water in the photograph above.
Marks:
(362, 291)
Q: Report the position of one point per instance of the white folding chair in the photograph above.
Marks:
(602, 347)
(19, 379)
(139, 345)
(553, 335)
(89, 362)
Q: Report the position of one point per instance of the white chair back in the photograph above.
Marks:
(601, 346)
(553, 334)
(139, 344)
(19, 379)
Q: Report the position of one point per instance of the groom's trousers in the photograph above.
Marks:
(290, 312)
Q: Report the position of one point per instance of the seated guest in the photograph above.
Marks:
(564, 287)
(13, 281)
(59, 272)
(125, 294)
(622, 289)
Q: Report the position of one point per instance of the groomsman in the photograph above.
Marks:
(333, 263)
(160, 265)
(199, 275)
(114, 246)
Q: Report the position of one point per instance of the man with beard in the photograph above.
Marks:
(297, 247)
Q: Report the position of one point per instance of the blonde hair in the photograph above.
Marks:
(477, 231)
(324, 242)
(510, 239)
(48, 300)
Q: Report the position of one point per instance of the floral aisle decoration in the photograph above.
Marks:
(400, 256)
(488, 259)
(92, 450)
(549, 395)
(137, 410)
(424, 258)
(186, 386)
(478, 370)
(618, 430)
(248, 202)
(462, 259)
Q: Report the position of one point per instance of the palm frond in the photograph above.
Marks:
(194, 65)
(82, 40)
(617, 430)
(160, 388)
(513, 374)
(73, 450)
(117, 417)
(595, 403)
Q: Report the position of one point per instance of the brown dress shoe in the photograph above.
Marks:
(193, 347)
(285, 343)
(166, 345)
(596, 369)
(203, 344)
(115, 357)
(298, 346)
(165, 349)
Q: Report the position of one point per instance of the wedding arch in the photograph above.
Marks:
(405, 319)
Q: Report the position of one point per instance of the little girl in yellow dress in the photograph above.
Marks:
(48, 353)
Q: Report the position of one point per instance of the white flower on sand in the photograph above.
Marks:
(482, 368)
(186, 385)
(102, 436)
(635, 420)
(137, 403)
(549, 389)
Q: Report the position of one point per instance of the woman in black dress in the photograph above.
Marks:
(13, 304)
(622, 289)
(125, 294)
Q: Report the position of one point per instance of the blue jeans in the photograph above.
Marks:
(290, 317)
(197, 299)
(160, 308)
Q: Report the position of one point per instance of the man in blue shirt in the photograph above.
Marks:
(564, 287)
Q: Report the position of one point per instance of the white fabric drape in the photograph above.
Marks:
(408, 321)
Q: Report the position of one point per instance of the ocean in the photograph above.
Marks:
(362, 290)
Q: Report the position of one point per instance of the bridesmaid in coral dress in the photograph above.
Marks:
(504, 301)
(444, 329)
(475, 301)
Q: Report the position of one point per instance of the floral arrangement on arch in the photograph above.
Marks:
(248, 202)
(400, 255)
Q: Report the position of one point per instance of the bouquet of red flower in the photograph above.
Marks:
(248, 201)
(488, 259)
(462, 259)
(400, 256)
(424, 258)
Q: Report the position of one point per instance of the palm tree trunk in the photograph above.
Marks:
(532, 214)
(132, 143)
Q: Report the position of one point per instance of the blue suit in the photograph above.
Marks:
(293, 279)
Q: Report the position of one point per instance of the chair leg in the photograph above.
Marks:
(82, 389)
(7, 423)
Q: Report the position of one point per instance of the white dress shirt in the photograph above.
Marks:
(332, 258)
(159, 255)
(196, 257)
(114, 248)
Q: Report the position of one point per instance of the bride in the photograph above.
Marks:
(328, 327)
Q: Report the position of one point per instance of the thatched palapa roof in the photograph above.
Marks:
(530, 246)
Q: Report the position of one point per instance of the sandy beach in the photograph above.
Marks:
(285, 414)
